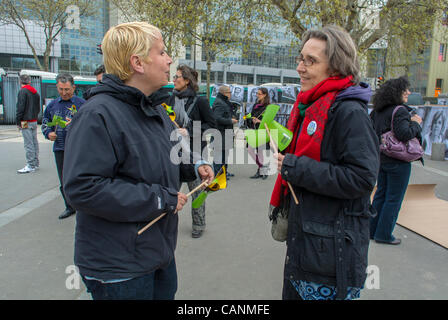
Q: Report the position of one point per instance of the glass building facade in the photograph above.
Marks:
(73, 50)
(273, 62)
(79, 54)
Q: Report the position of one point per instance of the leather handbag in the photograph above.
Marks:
(392, 147)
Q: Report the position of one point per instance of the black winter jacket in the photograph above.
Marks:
(328, 232)
(404, 128)
(223, 111)
(28, 104)
(118, 176)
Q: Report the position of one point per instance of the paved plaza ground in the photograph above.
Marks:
(235, 259)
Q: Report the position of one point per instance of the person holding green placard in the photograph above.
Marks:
(253, 123)
(332, 165)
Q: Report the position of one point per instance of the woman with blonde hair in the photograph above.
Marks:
(119, 176)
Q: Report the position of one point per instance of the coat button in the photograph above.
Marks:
(286, 172)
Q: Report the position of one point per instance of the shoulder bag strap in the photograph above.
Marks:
(190, 108)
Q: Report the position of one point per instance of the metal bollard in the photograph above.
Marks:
(438, 151)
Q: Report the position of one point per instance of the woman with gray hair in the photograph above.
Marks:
(332, 165)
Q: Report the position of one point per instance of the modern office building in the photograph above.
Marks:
(273, 62)
(73, 50)
(16, 54)
(79, 47)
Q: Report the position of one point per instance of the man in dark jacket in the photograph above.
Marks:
(223, 111)
(28, 108)
(119, 174)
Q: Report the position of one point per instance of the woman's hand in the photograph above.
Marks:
(255, 120)
(279, 158)
(181, 201)
(183, 132)
(416, 118)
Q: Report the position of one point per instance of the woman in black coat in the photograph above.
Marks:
(394, 174)
(192, 110)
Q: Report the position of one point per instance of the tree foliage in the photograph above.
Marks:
(404, 24)
(50, 15)
(218, 27)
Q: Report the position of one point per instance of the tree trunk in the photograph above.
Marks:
(209, 68)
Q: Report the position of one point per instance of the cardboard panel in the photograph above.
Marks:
(424, 213)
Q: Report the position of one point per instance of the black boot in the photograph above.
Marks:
(257, 175)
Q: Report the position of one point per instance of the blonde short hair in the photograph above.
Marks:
(124, 40)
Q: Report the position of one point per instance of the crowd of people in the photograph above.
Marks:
(113, 154)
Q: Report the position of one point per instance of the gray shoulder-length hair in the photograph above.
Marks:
(340, 50)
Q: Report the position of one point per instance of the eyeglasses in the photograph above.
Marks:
(306, 61)
(176, 77)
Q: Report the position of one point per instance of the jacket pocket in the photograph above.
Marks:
(321, 250)
(318, 254)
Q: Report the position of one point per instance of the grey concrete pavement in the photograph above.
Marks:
(235, 258)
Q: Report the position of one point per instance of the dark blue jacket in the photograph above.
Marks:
(118, 175)
(60, 108)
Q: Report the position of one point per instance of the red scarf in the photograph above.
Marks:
(310, 137)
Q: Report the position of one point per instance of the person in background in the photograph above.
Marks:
(99, 72)
(332, 165)
(119, 174)
(191, 110)
(28, 108)
(223, 111)
(394, 174)
(253, 123)
(99, 76)
(61, 107)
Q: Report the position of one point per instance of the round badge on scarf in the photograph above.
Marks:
(312, 126)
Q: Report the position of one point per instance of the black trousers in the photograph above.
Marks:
(59, 158)
(222, 151)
